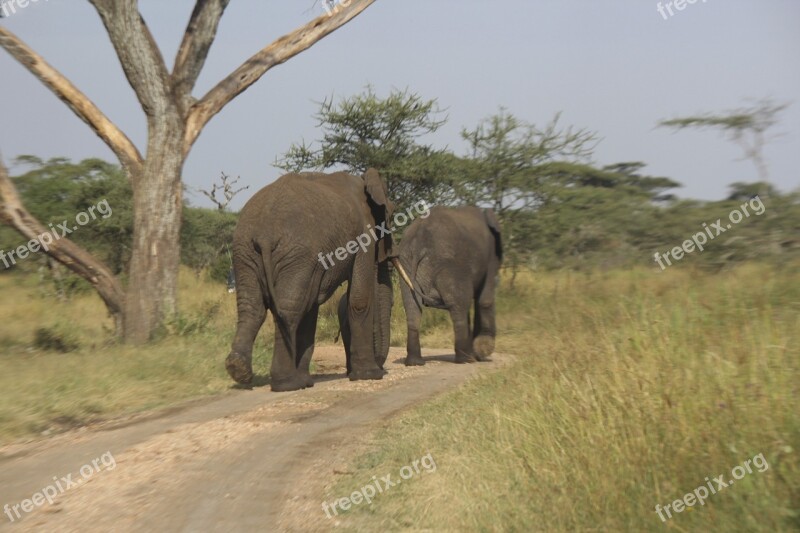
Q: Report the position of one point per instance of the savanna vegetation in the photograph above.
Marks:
(175, 116)
(630, 389)
(630, 384)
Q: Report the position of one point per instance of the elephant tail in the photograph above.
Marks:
(264, 252)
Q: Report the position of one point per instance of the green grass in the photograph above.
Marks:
(45, 391)
(630, 388)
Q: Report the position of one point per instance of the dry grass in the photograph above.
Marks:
(63, 367)
(631, 388)
(45, 391)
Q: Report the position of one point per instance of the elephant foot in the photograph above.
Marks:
(414, 361)
(374, 373)
(484, 347)
(462, 358)
(288, 384)
(239, 367)
(309, 381)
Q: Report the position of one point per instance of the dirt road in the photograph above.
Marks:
(250, 460)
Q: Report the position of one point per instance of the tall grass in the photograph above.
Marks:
(630, 388)
(62, 366)
(43, 390)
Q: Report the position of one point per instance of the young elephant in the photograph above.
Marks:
(452, 258)
(296, 242)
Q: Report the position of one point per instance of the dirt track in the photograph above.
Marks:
(248, 460)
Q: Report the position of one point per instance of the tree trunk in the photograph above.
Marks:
(157, 205)
(175, 119)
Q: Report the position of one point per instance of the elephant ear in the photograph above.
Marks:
(382, 209)
(494, 226)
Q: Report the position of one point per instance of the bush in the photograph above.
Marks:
(56, 339)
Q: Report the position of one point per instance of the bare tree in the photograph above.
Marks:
(175, 119)
(227, 189)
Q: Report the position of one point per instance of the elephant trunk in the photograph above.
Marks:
(382, 315)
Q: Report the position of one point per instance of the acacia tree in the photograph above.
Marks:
(365, 130)
(175, 119)
(747, 127)
(508, 158)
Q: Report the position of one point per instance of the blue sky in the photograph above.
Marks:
(615, 67)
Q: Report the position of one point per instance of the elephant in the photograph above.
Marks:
(448, 260)
(297, 240)
(344, 328)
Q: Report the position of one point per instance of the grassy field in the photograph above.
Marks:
(62, 367)
(630, 389)
(44, 389)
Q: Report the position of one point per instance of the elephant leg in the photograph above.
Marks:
(306, 334)
(484, 331)
(458, 301)
(360, 308)
(251, 312)
(295, 306)
(413, 318)
(283, 372)
(459, 314)
(344, 328)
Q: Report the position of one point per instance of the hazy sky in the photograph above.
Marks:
(612, 66)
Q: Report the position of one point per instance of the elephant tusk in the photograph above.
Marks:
(403, 274)
(419, 298)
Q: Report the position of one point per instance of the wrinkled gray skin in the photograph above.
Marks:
(453, 257)
(276, 246)
(382, 349)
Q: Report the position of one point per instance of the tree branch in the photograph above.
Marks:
(138, 54)
(80, 104)
(197, 40)
(274, 54)
(63, 250)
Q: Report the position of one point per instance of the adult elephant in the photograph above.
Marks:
(296, 241)
(448, 261)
